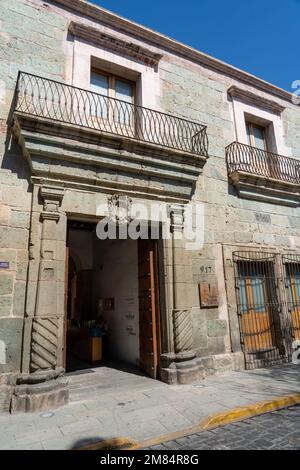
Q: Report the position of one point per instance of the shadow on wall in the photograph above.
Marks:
(232, 191)
(13, 159)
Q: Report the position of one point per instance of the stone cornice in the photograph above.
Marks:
(256, 100)
(93, 35)
(159, 40)
(260, 188)
(100, 139)
(80, 157)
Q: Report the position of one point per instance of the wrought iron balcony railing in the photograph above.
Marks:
(244, 158)
(38, 96)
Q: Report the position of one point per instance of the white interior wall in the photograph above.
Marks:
(116, 276)
(115, 265)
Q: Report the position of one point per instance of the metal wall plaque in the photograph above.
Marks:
(209, 296)
(4, 265)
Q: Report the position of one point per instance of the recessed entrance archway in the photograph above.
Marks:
(112, 304)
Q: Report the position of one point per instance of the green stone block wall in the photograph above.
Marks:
(32, 40)
(202, 96)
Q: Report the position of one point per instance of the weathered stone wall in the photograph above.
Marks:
(291, 122)
(31, 39)
(201, 95)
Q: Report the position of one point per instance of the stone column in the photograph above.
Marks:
(180, 365)
(42, 384)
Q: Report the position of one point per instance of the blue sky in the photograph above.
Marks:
(258, 36)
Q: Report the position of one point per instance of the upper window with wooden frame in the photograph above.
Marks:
(113, 98)
(256, 136)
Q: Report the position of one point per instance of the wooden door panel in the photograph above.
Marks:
(66, 309)
(145, 305)
(145, 288)
(257, 331)
(295, 309)
(296, 323)
(257, 321)
(147, 330)
(148, 311)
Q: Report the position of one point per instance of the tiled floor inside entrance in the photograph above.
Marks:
(96, 382)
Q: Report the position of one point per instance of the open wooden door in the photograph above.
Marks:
(66, 309)
(149, 315)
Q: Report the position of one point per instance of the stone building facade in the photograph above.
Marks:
(95, 110)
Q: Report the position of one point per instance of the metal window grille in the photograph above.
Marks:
(291, 263)
(258, 308)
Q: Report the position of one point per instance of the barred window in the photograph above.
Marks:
(257, 300)
(292, 271)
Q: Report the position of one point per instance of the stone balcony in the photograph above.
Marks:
(72, 134)
(261, 175)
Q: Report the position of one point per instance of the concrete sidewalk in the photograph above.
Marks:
(108, 403)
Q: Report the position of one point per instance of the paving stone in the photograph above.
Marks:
(24, 438)
(80, 426)
(36, 446)
(269, 431)
(143, 411)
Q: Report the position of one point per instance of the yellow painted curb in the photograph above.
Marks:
(212, 422)
(227, 417)
(221, 419)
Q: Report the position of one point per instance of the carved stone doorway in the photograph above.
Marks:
(113, 292)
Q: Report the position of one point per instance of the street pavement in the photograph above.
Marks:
(107, 402)
(278, 430)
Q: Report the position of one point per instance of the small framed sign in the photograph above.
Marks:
(208, 295)
(4, 265)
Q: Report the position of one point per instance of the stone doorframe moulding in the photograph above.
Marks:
(180, 365)
(41, 384)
